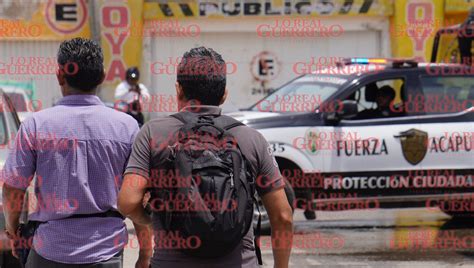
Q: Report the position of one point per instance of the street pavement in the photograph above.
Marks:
(415, 237)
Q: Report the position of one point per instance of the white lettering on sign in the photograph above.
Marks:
(398, 181)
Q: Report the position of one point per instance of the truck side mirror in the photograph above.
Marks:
(346, 109)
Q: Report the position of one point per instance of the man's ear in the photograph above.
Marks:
(179, 91)
(224, 97)
(60, 77)
(103, 78)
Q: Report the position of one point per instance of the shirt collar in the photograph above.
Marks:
(80, 99)
(203, 109)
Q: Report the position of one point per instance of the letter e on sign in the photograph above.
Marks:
(66, 12)
(265, 66)
(66, 16)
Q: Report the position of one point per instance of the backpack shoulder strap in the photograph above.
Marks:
(226, 122)
(189, 120)
(222, 121)
(185, 117)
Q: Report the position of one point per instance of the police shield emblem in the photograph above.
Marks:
(414, 145)
(312, 141)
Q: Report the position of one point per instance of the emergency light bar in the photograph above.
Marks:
(396, 63)
(367, 60)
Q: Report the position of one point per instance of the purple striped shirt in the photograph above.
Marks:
(78, 150)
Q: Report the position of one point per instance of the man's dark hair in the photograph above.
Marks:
(202, 76)
(82, 62)
(132, 73)
(387, 91)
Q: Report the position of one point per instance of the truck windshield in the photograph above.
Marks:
(298, 97)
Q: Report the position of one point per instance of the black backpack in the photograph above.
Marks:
(217, 197)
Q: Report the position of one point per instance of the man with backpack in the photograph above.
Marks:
(203, 170)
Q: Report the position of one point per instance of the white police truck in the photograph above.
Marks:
(373, 133)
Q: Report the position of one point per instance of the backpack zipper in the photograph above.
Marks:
(232, 180)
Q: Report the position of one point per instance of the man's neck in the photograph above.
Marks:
(70, 92)
(185, 103)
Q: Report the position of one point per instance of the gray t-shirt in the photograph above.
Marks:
(148, 153)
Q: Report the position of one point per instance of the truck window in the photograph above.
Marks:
(443, 94)
(297, 97)
(380, 99)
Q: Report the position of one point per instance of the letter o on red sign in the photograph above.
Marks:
(122, 16)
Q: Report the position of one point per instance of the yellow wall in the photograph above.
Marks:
(458, 6)
(413, 27)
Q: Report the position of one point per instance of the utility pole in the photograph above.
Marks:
(94, 26)
(94, 19)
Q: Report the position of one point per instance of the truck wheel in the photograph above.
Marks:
(265, 228)
(304, 194)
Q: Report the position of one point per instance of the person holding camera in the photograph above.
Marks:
(131, 94)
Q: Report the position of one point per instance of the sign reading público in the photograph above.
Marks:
(228, 8)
